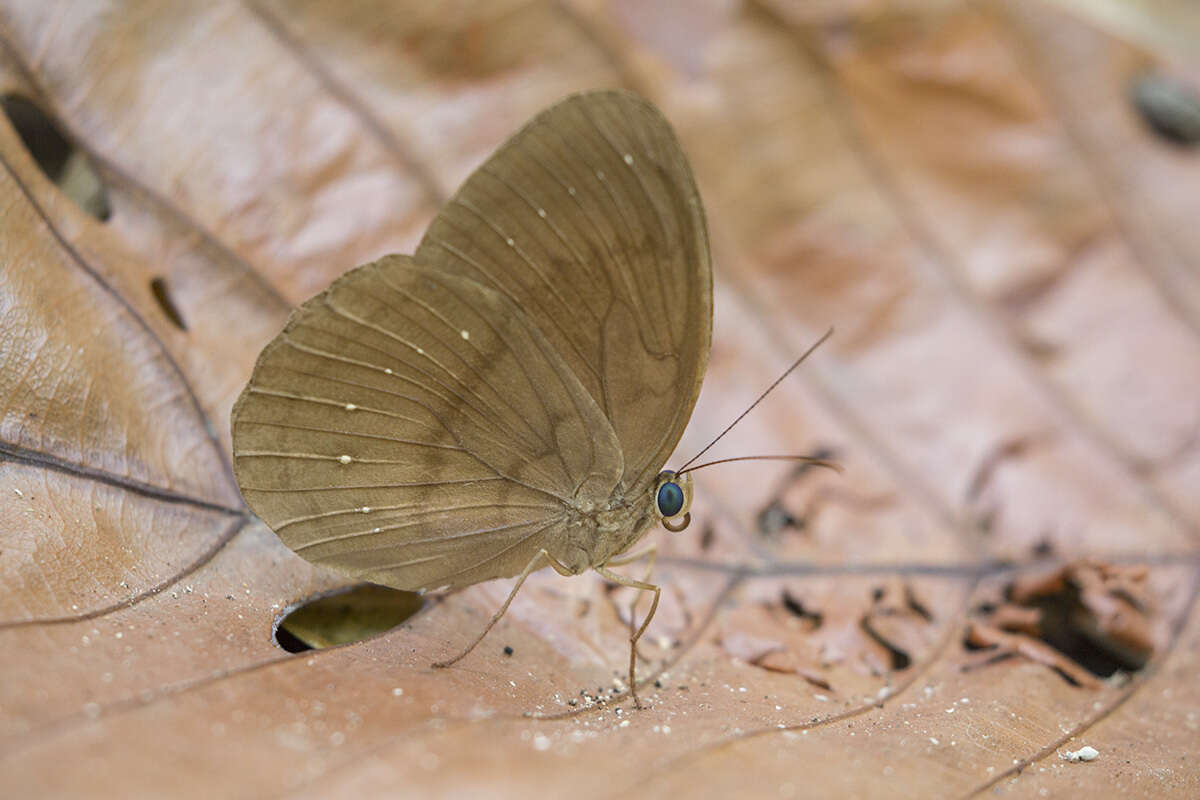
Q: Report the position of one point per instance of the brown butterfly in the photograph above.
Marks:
(504, 399)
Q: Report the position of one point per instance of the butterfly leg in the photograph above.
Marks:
(534, 564)
(650, 552)
(644, 586)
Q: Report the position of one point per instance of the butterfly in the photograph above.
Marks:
(504, 399)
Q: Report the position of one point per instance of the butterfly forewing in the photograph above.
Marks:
(589, 220)
(414, 428)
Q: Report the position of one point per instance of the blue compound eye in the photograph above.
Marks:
(670, 499)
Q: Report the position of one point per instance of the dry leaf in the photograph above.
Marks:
(1009, 253)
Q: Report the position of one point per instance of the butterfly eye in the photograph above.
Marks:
(670, 499)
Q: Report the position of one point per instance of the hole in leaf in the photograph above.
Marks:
(158, 286)
(1064, 628)
(1086, 620)
(1170, 107)
(63, 163)
(346, 615)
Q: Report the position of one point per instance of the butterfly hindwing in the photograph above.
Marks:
(414, 428)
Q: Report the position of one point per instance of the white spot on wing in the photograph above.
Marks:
(466, 334)
(510, 242)
(350, 406)
(542, 213)
(629, 159)
(345, 459)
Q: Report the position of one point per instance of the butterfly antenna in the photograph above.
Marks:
(811, 460)
(770, 389)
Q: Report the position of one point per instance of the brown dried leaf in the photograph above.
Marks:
(1010, 256)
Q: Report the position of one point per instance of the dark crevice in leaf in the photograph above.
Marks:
(290, 643)
(1062, 630)
(344, 616)
(796, 608)
(79, 261)
(158, 287)
(899, 657)
(21, 455)
(235, 527)
(409, 161)
(1085, 620)
(900, 660)
(61, 162)
(915, 605)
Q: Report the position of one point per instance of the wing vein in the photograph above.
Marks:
(398, 522)
(420, 351)
(489, 559)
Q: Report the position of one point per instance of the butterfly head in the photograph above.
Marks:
(672, 499)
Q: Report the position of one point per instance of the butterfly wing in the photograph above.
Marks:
(589, 220)
(414, 428)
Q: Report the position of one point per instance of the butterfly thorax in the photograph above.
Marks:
(596, 532)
